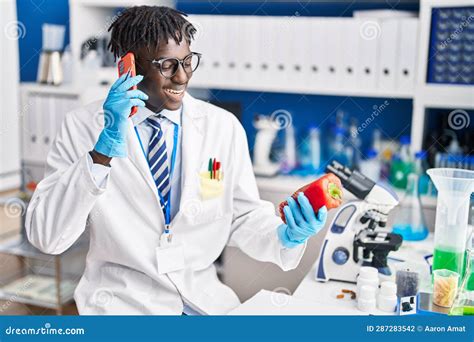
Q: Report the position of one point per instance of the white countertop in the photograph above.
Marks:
(274, 303)
(317, 298)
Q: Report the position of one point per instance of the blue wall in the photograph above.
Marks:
(394, 121)
(33, 14)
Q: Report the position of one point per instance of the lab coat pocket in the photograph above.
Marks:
(210, 188)
(205, 202)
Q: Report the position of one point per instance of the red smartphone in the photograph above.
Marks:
(125, 64)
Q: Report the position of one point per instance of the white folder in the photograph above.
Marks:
(317, 53)
(331, 67)
(262, 65)
(232, 51)
(273, 45)
(389, 53)
(202, 44)
(349, 53)
(408, 38)
(32, 129)
(369, 37)
(49, 124)
(299, 56)
(286, 42)
(248, 49)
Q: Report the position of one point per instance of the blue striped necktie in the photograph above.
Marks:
(158, 160)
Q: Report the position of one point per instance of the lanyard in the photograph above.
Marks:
(167, 207)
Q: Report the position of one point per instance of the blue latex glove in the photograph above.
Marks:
(301, 221)
(112, 140)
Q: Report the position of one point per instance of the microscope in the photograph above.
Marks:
(357, 235)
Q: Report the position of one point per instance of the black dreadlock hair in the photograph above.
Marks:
(148, 26)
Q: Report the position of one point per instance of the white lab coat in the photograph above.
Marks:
(126, 221)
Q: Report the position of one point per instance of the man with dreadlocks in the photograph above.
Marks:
(162, 192)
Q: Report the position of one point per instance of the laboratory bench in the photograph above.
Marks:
(312, 297)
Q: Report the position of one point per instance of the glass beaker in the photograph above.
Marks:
(452, 212)
(464, 302)
(410, 220)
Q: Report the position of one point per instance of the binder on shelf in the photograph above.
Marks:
(248, 52)
(31, 129)
(285, 41)
(369, 37)
(201, 44)
(408, 38)
(299, 57)
(273, 52)
(48, 121)
(388, 52)
(333, 62)
(349, 54)
(318, 53)
(217, 31)
(232, 51)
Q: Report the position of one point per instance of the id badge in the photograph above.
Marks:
(169, 256)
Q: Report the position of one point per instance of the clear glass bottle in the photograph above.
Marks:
(410, 220)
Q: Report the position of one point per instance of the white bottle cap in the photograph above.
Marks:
(388, 288)
(368, 272)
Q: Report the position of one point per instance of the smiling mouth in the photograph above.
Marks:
(174, 92)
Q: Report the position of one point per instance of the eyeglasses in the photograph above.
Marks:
(169, 66)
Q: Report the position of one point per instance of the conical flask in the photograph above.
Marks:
(410, 221)
(452, 213)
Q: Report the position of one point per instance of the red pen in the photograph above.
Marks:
(218, 169)
(214, 169)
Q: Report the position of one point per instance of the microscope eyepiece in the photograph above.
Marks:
(354, 181)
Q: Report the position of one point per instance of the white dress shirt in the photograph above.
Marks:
(167, 122)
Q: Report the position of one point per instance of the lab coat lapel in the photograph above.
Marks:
(135, 155)
(193, 120)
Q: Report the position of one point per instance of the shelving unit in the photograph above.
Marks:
(399, 94)
(92, 18)
(434, 95)
(32, 285)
